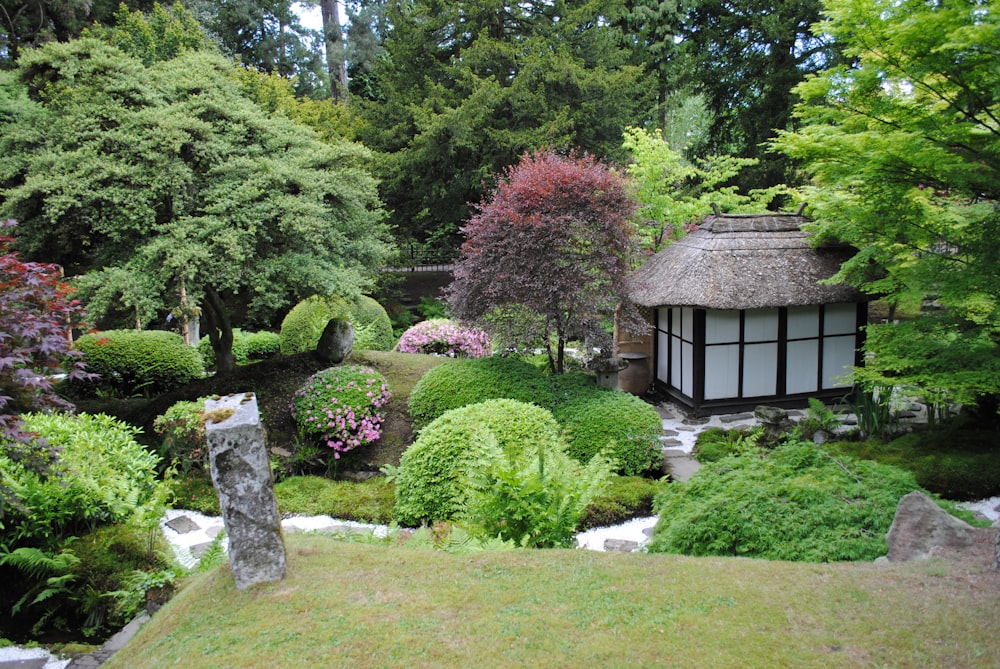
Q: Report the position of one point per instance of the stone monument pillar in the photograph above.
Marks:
(242, 478)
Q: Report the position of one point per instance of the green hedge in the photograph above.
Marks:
(458, 383)
(304, 324)
(627, 429)
(137, 362)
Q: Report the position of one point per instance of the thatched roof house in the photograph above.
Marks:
(741, 316)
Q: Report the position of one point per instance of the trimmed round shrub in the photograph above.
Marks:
(621, 425)
(441, 336)
(182, 432)
(137, 362)
(458, 383)
(101, 476)
(372, 325)
(428, 480)
(341, 407)
(247, 347)
(795, 502)
(304, 324)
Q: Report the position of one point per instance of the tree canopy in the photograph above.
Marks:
(903, 147)
(464, 88)
(165, 187)
(554, 238)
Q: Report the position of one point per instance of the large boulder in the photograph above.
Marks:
(336, 342)
(921, 528)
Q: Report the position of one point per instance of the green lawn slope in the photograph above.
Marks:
(359, 605)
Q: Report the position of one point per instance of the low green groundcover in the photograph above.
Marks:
(797, 502)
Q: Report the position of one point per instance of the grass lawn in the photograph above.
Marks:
(357, 605)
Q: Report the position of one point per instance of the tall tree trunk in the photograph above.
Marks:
(334, 37)
(220, 331)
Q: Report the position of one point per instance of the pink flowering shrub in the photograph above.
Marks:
(342, 407)
(441, 336)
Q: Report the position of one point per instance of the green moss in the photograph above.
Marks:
(368, 501)
(954, 463)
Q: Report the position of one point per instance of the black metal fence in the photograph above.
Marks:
(416, 259)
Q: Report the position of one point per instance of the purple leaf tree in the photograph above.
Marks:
(552, 245)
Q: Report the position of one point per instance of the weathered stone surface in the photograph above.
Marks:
(920, 527)
(182, 525)
(242, 478)
(336, 342)
(770, 415)
(774, 420)
(737, 417)
(620, 545)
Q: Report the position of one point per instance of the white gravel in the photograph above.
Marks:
(15, 653)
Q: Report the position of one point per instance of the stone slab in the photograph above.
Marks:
(182, 525)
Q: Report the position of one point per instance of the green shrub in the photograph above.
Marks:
(621, 425)
(796, 502)
(304, 324)
(458, 383)
(626, 497)
(534, 498)
(102, 476)
(193, 490)
(341, 407)
(369, 501)
(956, 464)
(429, 478)
(137, 362)
(716, 443)
(182, 433)
(247, 347)
(372, 325)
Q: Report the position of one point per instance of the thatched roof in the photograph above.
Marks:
(742, 262)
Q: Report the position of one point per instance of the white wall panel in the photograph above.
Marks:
(802, 366)
(722, 327)
(760, 325)
(722, 367)
(760, 365)
(838, 360)
(803, 322)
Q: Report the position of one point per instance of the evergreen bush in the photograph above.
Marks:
(304, 324)
(958, 464)
(458, 383)
(429, 480)
(137, 362)
(796, 502)
(618, 424)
